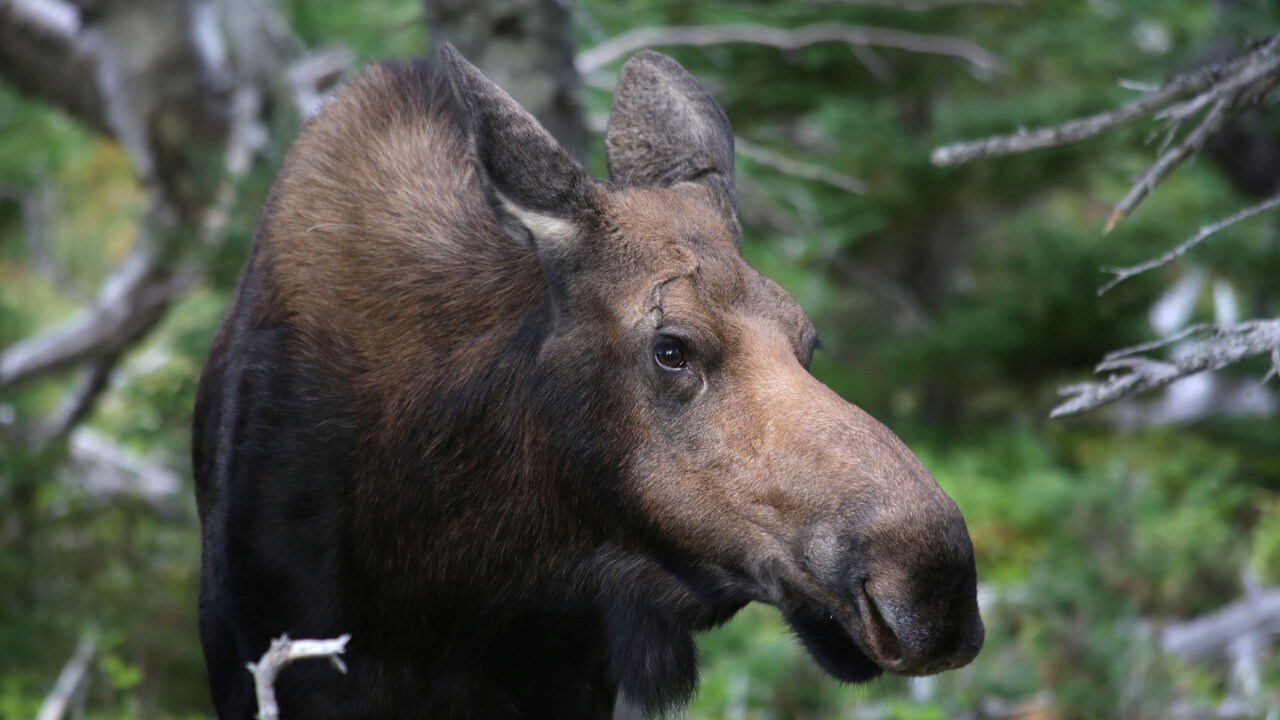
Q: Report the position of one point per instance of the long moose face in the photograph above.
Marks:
(741, 460)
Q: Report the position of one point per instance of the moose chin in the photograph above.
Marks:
(522, 432)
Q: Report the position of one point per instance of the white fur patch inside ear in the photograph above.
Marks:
(547, 230)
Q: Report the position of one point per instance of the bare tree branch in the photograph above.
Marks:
(1225, 346)
(131, 301)
(106, 472)
(617, 47)
(1212, 635)
(163, 102)
(78, 403)
(799, 168)
(1227, 89)
(43, 53)
(1178, 88)
(1215, 120)
(69, 682)
(1224, 110)
(282, 653)
(1124, 273)
(314, 76)
(174, 103)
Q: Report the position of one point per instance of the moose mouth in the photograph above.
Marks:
(831, 644)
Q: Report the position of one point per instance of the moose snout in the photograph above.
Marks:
(908, 639)
(912, 579)
(901, 600)
(882, 574)
(900, 576)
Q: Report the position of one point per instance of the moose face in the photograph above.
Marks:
(738, 459)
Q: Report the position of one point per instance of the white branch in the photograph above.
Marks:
(1226, 346)
(1212, 635)
(132, 299)
(631, 41)
(283, 652)
(69, 681)
(108, 473)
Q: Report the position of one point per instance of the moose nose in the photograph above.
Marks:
(919, 641)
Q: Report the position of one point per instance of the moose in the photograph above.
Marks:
(522, 433)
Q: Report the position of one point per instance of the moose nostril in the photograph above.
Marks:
(879, 632)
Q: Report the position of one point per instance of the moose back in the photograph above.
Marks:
(521, 432)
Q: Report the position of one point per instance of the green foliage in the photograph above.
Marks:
(951, 304)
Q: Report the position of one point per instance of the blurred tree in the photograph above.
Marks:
(156, 78)
(525, 47)
(1210, 98)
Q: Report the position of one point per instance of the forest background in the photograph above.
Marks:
(1129, 555)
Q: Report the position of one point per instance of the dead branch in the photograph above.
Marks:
(282, 653)
(1222, 113)
(1225, 346)
(180, 78)
(1212, 635)
(184, 79)
(108, 473)
(44, 55)
(1225, 89)
(78, 402)
(1124, 273)
(1177, 88)
(130, 302)
(69, 682)
(314, 76)
(615, 48)
(799, 168)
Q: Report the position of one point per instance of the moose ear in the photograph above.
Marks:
(529, 178)
(666, 128)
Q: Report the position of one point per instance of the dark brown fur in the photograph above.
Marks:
(434, 418)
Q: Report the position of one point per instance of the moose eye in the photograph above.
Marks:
(670, 353)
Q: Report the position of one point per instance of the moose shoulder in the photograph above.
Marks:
(522, 433)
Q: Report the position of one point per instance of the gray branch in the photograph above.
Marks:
(1133, 374)
(799, 168)
(1225, 89)
(1211, 636)
(1178, 88)
(131, 301)
(620, 46)
(77, 403)
(164, 87)
(281, 654)
(43, 53)
(1124, 273)
(107, 473)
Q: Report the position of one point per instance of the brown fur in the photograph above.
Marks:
(435, 418)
